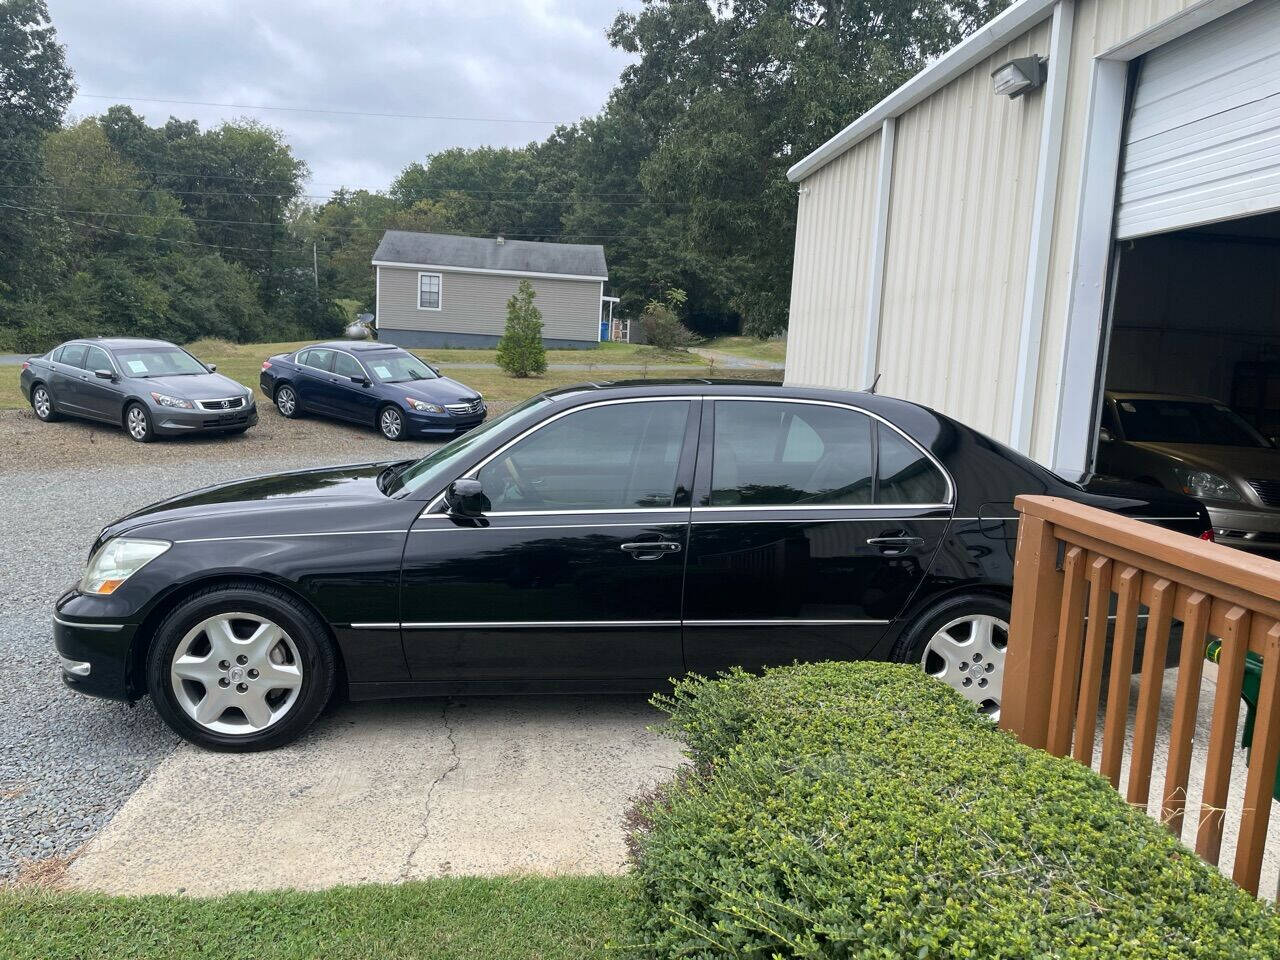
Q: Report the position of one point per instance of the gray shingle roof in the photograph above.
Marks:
(517, 256)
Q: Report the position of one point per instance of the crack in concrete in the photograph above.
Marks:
(455, 761)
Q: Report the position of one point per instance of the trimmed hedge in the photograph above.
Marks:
(864, 810)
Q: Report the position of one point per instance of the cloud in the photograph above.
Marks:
(537, 60)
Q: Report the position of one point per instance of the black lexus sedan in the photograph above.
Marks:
(372, 384)
(600, 537)
(151, 388)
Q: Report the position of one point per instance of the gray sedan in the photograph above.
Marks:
(1201, 447)
(149, 387)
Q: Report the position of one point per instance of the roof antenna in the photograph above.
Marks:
(872, 388)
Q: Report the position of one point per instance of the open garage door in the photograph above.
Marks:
(1203, 138)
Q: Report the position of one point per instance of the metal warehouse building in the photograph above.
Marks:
(1005, 244)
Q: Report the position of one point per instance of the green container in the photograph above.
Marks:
(1249, 693)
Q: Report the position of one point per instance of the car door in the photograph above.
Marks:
(813, 525)
(64, 381)
(575, 572)
(102, 399)
(315, 373)
(351, 399)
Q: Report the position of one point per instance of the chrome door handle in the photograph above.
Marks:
(894, 541)
(651, 550)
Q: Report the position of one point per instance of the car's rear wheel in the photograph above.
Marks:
(42, 404)
(287, 401)
(241, 668)
(137, 421)
(391, 423)
(962, 642)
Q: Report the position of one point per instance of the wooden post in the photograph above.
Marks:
(1032, 650)
(1264, 755)
(1186, 702)
(1123, 641)
(1066, 673)
(1155, 649)
(1095, 653)
(1222, 734)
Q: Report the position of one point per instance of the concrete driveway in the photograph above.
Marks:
(379, 793)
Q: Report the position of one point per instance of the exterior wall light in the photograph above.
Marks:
(1018, 76)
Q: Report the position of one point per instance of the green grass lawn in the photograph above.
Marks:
(531, 918)
(243, 362)
(772, 350)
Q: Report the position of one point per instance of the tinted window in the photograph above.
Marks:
(72, 355)
(96, 359)
(1108, 419)
(320, 359)
(905, 474)
(1185, 421)
(617, 456)
(777, 454)
(345, 365)
(56, 354)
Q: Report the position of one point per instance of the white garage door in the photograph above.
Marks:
(1203, 142)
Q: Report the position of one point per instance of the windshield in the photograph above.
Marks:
(1185, 421)
(397, 366)
(158, 362)
(445, 461)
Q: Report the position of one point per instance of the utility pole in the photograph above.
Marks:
(315, 266)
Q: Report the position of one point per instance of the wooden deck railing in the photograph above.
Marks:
(1071, 560)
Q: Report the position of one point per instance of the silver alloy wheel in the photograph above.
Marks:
(968, 654)
(286, 401)
(236, 673)
(137, 422)
(40, 400)
(391, 423)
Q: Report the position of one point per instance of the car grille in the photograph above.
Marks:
(463, 409)
(235, 403)
(228, 420)
(1268, 491)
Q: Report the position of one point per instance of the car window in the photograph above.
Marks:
(1109, 419)
(905, 475)
(767, 453)
(344, 365)
(56, 354)
(618, 456)
(96, 359)
(73, 354)
(1151, 420)
(159, 361)
(397, 366)
(319, 359)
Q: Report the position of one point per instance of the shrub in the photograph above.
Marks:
(661, 326)
(520, 351)
(865, 810)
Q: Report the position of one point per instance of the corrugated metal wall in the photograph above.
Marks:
(834, 228)
(959, 233)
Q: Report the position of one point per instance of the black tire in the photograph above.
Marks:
(911, 646)
(50, 415)
(289, 408)
(310, 638)
(391, 422)
(137, 423)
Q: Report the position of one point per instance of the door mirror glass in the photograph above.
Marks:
(104, 374)
(466, 498)
(211, 367)
(1104, 435)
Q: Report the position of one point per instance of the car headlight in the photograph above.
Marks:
(422, 406)
(116, 561)
(1205, 485)
(167, 401)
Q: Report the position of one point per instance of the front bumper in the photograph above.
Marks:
(94, 651)
(171, 421)
(428, 424)
(1249, 528)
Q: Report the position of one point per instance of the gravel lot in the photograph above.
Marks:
(68, 762)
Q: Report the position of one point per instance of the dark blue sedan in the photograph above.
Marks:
(374, 384)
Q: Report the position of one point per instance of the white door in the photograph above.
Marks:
(1203, 141)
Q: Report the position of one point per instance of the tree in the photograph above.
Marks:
(661, 324)
(520, 351)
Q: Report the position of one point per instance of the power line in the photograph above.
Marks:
(325, 110)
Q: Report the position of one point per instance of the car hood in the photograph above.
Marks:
(439, 390)
(1248, 462)
(257, 504)
(200, 386)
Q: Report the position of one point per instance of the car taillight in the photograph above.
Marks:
(26, 364)
(1207, 535)
(266, 364)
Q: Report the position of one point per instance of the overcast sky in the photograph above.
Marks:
(504, 60)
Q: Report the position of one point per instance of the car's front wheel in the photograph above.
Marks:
(42, 404)
(241, 668)
(391, 423)
(962, 642)
(138, 423)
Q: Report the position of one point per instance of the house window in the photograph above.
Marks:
(428, 291)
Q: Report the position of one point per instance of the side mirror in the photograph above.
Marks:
(466, 498)
(434, 369)
(104, 374)
(363, 381)
(1104, 435)
(1274, 440)
(213, 367)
